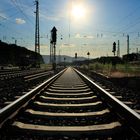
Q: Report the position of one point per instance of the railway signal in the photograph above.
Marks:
(88, 54)
(114, 48)
(88, 59)
(53, 34)
(53, 46)
(75, 55)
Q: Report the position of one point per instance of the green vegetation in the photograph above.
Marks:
(46, 66)
(101, 68)
(126, 69)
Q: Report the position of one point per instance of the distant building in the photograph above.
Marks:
(110, 59)
(131, 57)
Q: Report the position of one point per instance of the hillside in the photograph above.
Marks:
(11, 54)
(68, 59)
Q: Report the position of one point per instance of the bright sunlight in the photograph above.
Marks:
(78, 11)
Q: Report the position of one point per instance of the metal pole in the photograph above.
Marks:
(37, 36)
(51, 52)
(118, 51)
(54, 54)
(59, 61)
(127, 44)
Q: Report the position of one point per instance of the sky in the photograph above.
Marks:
(92, 29)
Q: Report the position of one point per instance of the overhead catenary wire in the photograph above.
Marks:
(127, 29)
(20, 9)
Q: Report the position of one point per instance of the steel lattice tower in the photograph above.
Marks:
(37, 36)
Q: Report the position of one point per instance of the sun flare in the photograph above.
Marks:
(78, 11)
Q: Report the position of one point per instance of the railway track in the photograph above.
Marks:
(13, 88)
(128, 96)
(69, 106)
(4, 75)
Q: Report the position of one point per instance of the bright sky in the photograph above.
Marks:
(84, 25)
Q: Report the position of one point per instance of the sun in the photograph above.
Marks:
(78, 11)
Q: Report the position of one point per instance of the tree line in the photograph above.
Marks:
(14, 55)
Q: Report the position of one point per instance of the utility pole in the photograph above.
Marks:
(37, 37)
(127, 44)
(118, 51)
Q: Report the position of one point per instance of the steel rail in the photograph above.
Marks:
(37, 74)
(11, 109)
(129, 116)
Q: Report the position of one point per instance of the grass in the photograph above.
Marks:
(126, 69)
(46, 66)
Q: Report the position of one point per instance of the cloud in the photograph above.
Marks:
(44, 49)
(85, 36)
(20, 21)
(89, 36)
(67, 45)
(78, 36)
(52, 18)
(3, 16)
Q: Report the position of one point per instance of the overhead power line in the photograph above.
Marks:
(21, 11)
